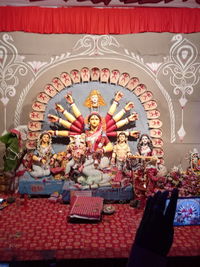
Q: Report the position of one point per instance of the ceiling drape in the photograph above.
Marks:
(88, 20)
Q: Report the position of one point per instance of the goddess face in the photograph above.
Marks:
(122, 138)
(145, 140)
(94, 121)
(45, 138)
(94, 100)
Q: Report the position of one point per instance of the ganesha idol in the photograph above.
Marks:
(90, 148)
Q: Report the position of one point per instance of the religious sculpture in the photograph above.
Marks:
(121, 151)
(94, 165)
(43, 156)
(94, 101)
(194, 160)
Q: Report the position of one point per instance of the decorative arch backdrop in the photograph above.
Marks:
(168, 64)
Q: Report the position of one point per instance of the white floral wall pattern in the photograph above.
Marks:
(183, 70)
(11, 68)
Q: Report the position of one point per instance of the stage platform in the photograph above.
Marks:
(36, 229)
(47, 185)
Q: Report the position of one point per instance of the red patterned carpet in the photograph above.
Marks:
(38, 230)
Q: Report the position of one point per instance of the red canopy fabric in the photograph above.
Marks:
(89, 20)
(107, 2)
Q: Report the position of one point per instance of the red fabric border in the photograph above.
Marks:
(89, 20)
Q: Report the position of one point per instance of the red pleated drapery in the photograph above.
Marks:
(89, 20)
